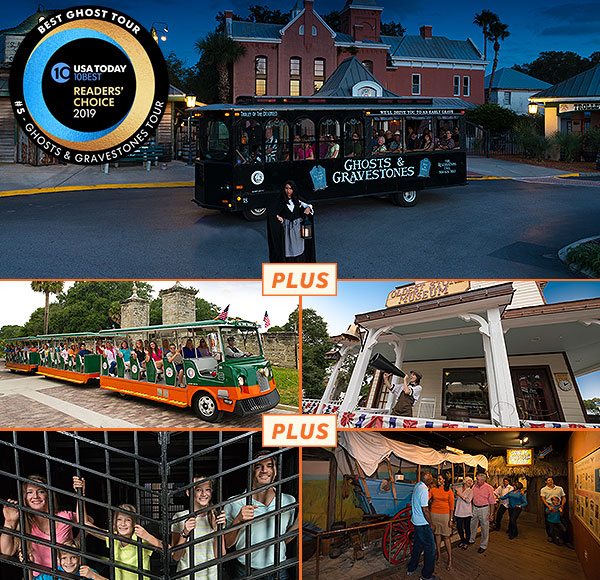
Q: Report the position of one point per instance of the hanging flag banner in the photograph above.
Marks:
(89, 85)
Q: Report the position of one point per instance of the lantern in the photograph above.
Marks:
(306, 229)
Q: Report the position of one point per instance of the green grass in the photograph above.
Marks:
(287, 381)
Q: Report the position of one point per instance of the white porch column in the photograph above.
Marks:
(399, 359)
(505, 395)
(344, 351)
(484, 330)
(360, 368)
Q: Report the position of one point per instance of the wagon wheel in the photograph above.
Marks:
(397, 539)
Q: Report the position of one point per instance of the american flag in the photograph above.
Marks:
(223, 315)
(266, 320)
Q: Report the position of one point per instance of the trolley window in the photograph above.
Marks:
(329, 139)
(214, 140)
(419, 135)
(387, 135)
(277, 141)
(304, 140)
(354, 143)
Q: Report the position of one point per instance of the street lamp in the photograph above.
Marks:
(190, 101)
(154, 32)
(532, 108)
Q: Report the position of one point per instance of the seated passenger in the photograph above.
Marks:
(333, 149)
(271, 146)
(413, 142)
(396, 144)
(125, 354)
(111, 358)
(309, 148)
(456, 137)
(139, 354)
(155, 354)
(242, 152)
(446, 142)
(380, 148)
(203, 349)
(354, 147)
(175, 358)
(231, 351)
(324, 146)
(256, 156)
(82, 350)
(189, 351)
(298, 149)
(389, 137)
(427, 142)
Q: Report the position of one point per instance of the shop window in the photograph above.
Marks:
(148, 476)
(456, 86)
(466, 389)
(295, 76)
(416, 84)
(466, 86)
(260, 74)
(319, 73)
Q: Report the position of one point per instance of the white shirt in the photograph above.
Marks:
(500, 491)
(397, 388)
(549, 492)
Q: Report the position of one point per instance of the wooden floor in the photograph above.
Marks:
(527, 557)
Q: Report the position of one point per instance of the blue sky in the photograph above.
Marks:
(535, 26)
(356, 297)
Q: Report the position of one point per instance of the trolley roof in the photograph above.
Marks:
(66, 335)
(20, 338)
(184, 325)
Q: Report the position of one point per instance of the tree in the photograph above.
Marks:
(315, 343)
(47, 287)
(493, 117)
(290, 326)
(219, 51)
(556, 66)
(497, 31)
(333, 20)
(484, 19)
(392, 28)
(11, 331)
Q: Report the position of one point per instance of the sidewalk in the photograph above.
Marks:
(488, 167)
(22, 179)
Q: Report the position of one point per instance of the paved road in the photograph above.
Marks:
(487, 229)
(33, 401)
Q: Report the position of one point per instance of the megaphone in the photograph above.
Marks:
(381, 363)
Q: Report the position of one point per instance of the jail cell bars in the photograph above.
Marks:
(154, 473)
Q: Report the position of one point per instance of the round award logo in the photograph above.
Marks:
(89, 85)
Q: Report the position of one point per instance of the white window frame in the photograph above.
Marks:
(314, 31)
(301, 30)
(507, 100)
(456, 86)
(412, 83)
(466, 85)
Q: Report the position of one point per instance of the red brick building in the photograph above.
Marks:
(296, 58)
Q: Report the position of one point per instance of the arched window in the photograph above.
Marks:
(249, 142)
(304, 140)
(295, 76)
(354, 138)
(277, 141)
(319, 73)
(329, 139)
(314, 31)
(260, 75)
(301, 30)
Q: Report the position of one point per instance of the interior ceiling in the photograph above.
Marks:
(485, 442)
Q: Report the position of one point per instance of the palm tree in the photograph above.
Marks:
(220, 51)
(484, 19)
(497, 32)
(47, 287)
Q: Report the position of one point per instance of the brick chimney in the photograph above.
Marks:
(228, 22)
(425, 31)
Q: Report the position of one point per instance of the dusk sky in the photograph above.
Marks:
(534, 26)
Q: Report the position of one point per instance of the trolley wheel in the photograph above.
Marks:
(397, 539)
(205, 407)
(12, 370)
(405, 198)
(255, 215)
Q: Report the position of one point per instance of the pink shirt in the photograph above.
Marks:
(157, 355)
(42, 554)
(483, 495)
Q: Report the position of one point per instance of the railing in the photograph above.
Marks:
(155, 472)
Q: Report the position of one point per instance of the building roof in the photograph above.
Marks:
(255, 30)
(436, 47)
(29, 23)
(350, 72)
(508, 78)
(368, 4)
(585, 84)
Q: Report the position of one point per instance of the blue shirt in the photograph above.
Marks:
(48, 577)
(190, 353)
(419, 500)
(515, 498)
(553, 514)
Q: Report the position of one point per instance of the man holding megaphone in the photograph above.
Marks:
(408, 393)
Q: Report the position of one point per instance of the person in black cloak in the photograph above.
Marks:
(284, 221)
